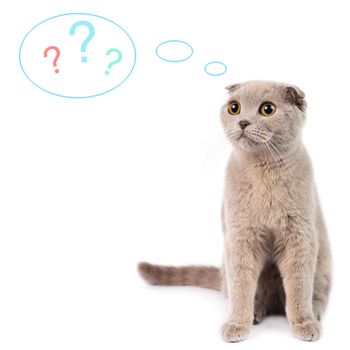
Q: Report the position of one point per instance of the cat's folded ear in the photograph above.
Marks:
(233, 87)
(295, 96)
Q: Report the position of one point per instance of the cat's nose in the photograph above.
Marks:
(243, 124)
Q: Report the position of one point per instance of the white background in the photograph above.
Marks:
(90, 187)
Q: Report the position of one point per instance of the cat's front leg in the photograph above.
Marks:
(243, 264)
(297, 266)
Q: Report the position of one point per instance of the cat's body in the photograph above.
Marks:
(276, 254)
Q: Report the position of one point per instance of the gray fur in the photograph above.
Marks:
(276, 252)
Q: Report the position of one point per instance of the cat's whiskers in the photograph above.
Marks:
(281, 159)
(233, 133)
(258, 135)
(218, 146)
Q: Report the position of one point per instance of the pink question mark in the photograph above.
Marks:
(58, 53)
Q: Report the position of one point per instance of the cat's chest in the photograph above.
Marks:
(260, 192)
(263, 197)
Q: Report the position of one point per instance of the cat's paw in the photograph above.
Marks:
(308, 331)
(259, 315)
(317, 315)
(232, 332)
(318, 307)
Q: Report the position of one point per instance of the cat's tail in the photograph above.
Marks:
(201, 276)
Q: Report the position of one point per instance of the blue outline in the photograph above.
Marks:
(174, 41)
(81, 14)
(215, 62)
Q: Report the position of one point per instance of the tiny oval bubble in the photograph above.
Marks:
(174, 51)
(215, 68)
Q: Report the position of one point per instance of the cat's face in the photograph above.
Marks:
(260, 116)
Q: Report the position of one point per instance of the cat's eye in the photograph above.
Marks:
(267, 109)
(234, 108)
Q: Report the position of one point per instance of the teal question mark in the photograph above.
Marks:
(89, 37)
(120, 56)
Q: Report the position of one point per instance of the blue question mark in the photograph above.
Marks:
(89, 37)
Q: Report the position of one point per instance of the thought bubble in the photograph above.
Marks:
(215, 68)
(174, 51)
(77, 55)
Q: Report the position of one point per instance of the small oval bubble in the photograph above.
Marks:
(215, 68)
(174, 51)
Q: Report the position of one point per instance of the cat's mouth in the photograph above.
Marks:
(246, 141)
(241, 135)
(253, 137)
(244, 136)
(248, 137)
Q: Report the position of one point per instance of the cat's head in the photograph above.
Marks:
(262, 115)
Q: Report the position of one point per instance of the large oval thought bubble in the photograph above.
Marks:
(77, 55)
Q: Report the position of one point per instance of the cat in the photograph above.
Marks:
(276, 251)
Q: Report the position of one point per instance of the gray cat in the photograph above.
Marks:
(276, 252)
